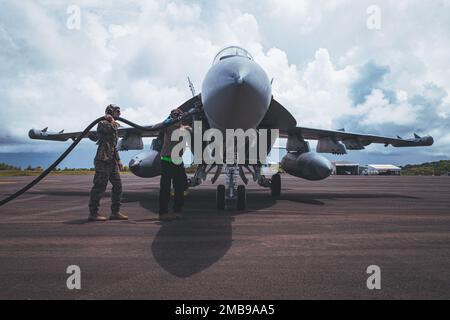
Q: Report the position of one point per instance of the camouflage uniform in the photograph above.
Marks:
(106, 168)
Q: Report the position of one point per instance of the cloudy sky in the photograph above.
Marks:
(334, 64)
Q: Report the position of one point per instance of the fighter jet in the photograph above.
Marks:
(237, 93)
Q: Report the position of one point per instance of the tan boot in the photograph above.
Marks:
(96, 217)
(118, 216)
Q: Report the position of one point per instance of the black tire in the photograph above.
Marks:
(187, 184)
(220, 197)
(241, 198)
(275, 185)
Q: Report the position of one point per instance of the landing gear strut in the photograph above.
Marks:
(273, 183)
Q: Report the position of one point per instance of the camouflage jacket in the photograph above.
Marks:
(107, 142)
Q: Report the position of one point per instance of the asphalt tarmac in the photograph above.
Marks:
(314, 242)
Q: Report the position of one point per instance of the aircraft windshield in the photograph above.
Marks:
(232, 51)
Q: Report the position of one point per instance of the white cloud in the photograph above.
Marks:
(303, 15)
(138, 53)
(315, 95)
(378, 111)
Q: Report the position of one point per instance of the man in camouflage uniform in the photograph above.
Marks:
(107, 167)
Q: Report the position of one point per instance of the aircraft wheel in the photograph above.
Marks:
(220, 197)
(241, 197)
(275, 185)
(187, 184)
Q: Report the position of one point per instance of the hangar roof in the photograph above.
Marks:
(383, 167)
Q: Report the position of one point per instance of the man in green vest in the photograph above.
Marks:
(171, 172)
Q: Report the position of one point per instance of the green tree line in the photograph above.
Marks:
(436, 168)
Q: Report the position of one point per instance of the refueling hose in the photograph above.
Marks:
(77, 141)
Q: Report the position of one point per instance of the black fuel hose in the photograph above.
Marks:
(77, 141)
(53, 166)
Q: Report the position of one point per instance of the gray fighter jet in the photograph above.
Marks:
(237, 93)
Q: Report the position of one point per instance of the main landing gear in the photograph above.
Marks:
(275, 185)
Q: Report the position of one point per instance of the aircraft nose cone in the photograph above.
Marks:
(236, 93)
(237, 77)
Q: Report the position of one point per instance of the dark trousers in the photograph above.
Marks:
(176, 174)
(104, 172)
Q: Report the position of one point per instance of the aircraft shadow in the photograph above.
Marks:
(204, 235)
(197, 241)
(313, 198)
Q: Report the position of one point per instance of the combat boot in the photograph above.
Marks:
(178, 213)
(96, 217)
(167, 216)
(118, 216)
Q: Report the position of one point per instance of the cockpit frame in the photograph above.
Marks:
(232, 51)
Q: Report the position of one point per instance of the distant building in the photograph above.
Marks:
(345, 168)
(383, 169)
(270, 168)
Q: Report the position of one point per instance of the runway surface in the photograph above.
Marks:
(315, 241)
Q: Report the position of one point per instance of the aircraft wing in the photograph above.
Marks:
(92, 135)
(44, 134)
(329, 140)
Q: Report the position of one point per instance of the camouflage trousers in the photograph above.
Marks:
(104, 172)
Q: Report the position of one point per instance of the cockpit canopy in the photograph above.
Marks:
(232, 51)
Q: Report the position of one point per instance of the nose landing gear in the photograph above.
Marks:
(231, 191)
